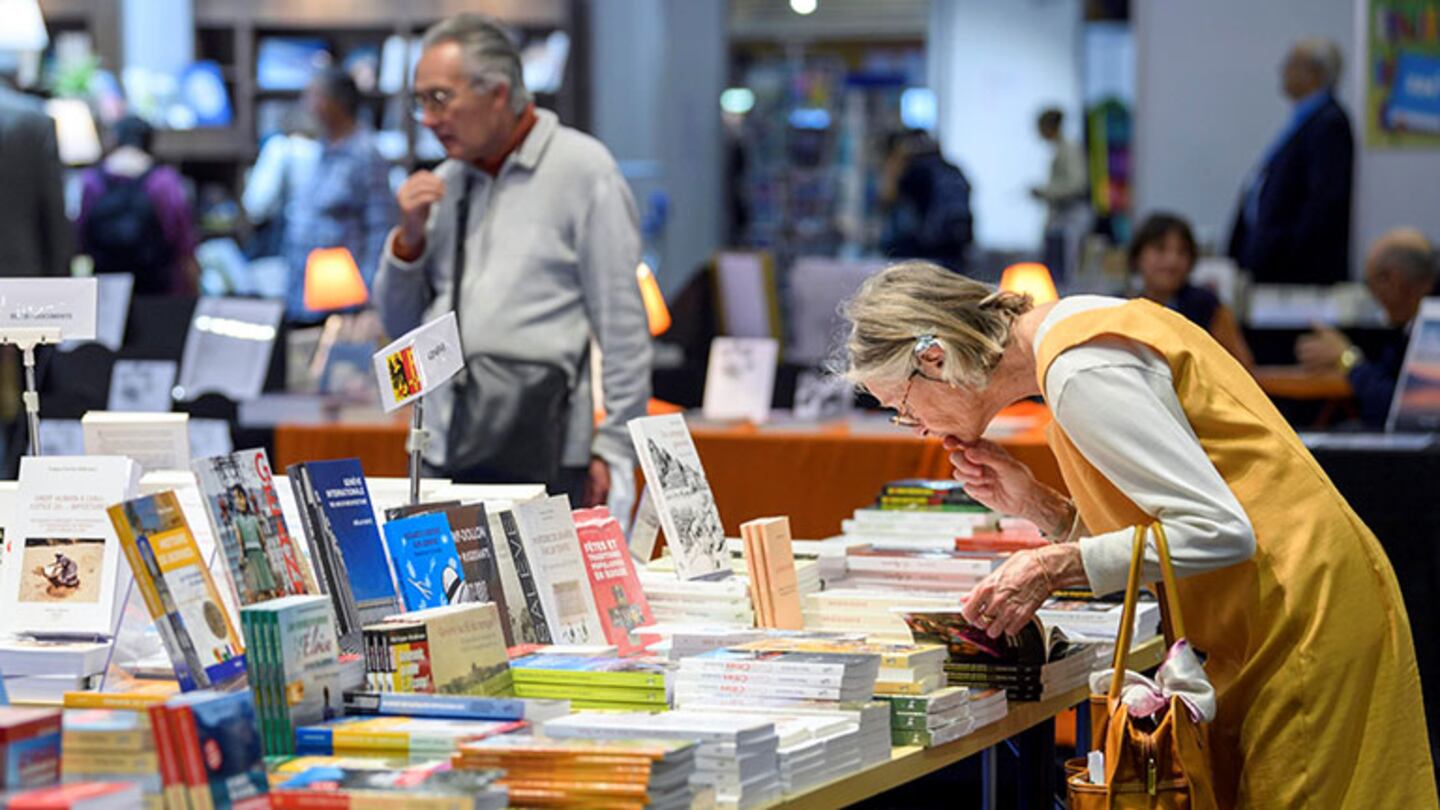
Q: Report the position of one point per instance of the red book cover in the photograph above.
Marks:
(619, 599)
(170, 781)
(308, 800)
(66, 796)
(18, 723)
(186, 744)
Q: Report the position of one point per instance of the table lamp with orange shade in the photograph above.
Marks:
(1032, 278)
(332, 281)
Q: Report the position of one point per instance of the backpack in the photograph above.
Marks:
(123, 234)
(947, 221)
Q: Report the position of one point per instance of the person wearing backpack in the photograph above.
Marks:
(926, 199)
(135, 218)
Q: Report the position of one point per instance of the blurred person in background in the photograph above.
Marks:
(35, 235)
(529, 233)
(346, 201)
(926, 199)
(1293, 223)
(1162, 257)
(1066, 195)
(1400, 270)
(285, 165)
(135, 217)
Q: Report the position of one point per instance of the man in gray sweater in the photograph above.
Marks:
(544, 232)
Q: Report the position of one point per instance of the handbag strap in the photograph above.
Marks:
(1170, 616)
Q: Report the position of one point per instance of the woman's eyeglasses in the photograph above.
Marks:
(902, 416)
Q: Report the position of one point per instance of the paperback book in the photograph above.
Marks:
(426, 562)
(619, 599)
(175, 582)
(344, 544)
(770, 561)
(209, 745)
(454, 650)
(524, 616)
(296, 673)
(245, 514)
(557, 566)
(63, 574)
(676, 480)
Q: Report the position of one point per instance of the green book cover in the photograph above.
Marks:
(308, 652)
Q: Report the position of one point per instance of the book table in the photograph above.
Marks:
(1032, 721)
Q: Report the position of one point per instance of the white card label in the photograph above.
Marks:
(66, 304)
(418, 362)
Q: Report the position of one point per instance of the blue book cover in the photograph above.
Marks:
(426, 562)
(339, 486)
(228, 732)
(457, 707)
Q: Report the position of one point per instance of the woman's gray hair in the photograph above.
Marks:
(912, 305)
(489, 52)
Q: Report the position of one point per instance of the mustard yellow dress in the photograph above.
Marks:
(1308, 643)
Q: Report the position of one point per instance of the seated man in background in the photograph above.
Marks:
(1162, 256)
(1400, 270)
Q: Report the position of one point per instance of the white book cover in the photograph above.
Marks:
(676, 479)
(740, 378)
(64, 572)
(558, 565)
(156, 441)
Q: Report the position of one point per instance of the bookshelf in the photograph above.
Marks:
(233, 35)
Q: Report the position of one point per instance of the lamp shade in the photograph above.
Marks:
(75, 135)
(24, 27)
(332, 281)
(1030, 278)
(655, 310)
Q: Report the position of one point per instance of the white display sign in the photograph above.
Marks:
(228, 348)
(142, 385)
(424, 358)
(740, 378)
(66, 304)
(156, 441)
(112, 311)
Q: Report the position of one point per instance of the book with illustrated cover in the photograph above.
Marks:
(180, 594)
(458, 707)
(583, 670)
(475, 546)
(675, 478)
(527, 614)
(296, 677)
(244, 511)
(63, 573)
(619, 599)
(426, 562)
(345, 546)
(415, 736)
(557, 565)
(214, 740)
(1034, 644)
(453, 650)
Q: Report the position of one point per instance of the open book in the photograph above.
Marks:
(1036, 643)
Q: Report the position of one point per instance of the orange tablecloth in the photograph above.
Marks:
(817, 476)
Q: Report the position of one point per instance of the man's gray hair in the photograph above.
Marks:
(1416, 264)
(490, 54)
(1324, 57)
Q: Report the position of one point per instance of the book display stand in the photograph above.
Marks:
(415, 446)
(39, 312)
(26, 339)
(138, 661)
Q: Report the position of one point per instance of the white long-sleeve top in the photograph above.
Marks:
(1115, 398)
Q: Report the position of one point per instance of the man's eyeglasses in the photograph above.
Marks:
(436, 101)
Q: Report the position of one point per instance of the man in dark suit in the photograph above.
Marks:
(1293, 223)
(35, 236)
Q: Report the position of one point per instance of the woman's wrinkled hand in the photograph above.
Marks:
(1006, 599)
(992, 476)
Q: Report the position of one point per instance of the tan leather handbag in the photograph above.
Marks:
(1159, 762)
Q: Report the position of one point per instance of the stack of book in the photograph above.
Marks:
(595, 682)
(43, 670)
(1035, 664)
(673, 601)
(741, 675)
(396, 736)
(29, 747)
(869, 720)
(817, 562)
(814, 749)
(876, 614)
(916, 530)
(586, 773)
(1087, 618)
(416, 786)
(934, 719)
(294, 666)
(100, 745)
(683, 640)
(987, 706)
(737, 754)
(905, 669)
(455, 707)
(209, 751)
(88, 795)
(926, 495)
(943, 572)
(451, 650)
